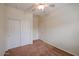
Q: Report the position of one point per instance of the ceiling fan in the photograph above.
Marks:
(41, 6)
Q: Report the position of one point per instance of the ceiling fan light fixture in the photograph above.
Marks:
(41, 6)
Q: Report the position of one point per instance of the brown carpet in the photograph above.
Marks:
(38, 48)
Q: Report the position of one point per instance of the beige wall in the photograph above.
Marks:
(61, 28)
(2, 29)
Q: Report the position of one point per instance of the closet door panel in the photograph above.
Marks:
(25, 33)
(13, 34)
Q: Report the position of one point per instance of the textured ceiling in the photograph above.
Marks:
(28, 7)
(21, 6)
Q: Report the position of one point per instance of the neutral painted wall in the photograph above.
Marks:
(61, 28)
(2, 29)
(35, 27)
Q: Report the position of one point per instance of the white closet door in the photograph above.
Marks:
(26, 33)
(13, 34)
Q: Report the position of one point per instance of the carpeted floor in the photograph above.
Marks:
(38, 48)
